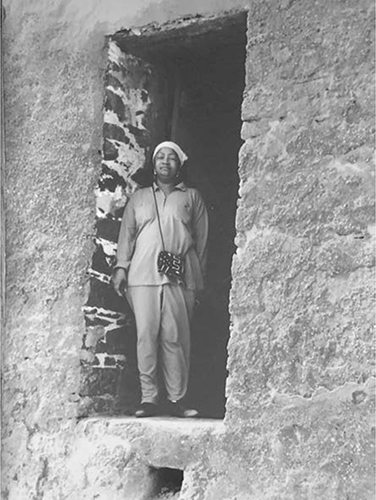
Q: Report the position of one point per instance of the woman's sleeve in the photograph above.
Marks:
(200, 230)
(127, 236)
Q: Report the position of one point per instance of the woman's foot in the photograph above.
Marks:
(146, 410)
(177, 409)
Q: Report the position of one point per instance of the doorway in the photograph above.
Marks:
(182, 81)
(202, 65)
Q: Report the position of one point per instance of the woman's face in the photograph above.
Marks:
(166, 165)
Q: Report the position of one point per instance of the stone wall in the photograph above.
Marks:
(299, 418)
(303, 278)
(109, 380)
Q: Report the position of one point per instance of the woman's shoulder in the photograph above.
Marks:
(143, 189)
(140, 192)
(194, 192)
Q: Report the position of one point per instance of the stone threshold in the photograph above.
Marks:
(181, 426)
(151, 458)
(155, 441)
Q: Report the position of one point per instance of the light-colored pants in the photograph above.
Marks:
(163, 315)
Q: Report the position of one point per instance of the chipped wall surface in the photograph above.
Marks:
(299, 421)
(109, 381)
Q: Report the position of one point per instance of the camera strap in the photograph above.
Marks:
(159, 221)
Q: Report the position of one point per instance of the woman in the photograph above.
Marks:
(166, 216)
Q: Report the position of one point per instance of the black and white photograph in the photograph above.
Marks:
(188, 250)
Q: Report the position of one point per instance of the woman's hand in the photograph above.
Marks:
(119, 281)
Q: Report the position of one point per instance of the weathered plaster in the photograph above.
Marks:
(126, 106)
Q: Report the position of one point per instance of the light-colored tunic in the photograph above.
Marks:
(184, 223)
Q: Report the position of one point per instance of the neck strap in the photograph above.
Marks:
(159, 221)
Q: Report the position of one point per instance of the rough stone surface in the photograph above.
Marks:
(109, 343)
(303, 275)
(299, 422)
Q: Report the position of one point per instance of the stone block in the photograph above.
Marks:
(110, 151)
(114, 102)
(114, 132)
(108, 229)
(99, 381)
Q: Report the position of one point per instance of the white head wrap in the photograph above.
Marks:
(169, 144)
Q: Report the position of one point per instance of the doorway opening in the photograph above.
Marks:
(182, 81)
